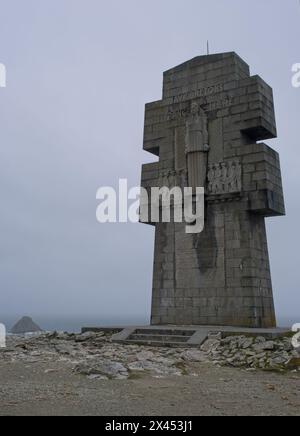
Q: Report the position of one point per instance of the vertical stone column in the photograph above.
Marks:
(197, 148)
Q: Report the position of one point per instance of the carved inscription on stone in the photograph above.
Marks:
(224, 178)
(201, 92)
(183, 111)
(172, 179)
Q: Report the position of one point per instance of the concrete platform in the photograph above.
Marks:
(180, 336)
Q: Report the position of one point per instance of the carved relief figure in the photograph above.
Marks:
(239, 176)
(211, 177)
(218, 176)
(231, 177)
(225, 178)
(196, 146)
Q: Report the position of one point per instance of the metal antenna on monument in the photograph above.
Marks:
(208, 46)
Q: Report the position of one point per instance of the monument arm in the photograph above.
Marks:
(154, 130)
(262, 179)
(150, 179)
(150, 175)
(253, 108)
(259, 122)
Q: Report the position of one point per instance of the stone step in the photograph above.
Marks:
(162, 337)
(156, 343)
(165, 337)
(165, 332)
(159, 338)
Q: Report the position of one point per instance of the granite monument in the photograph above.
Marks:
(207, 131)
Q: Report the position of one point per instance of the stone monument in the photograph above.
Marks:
(207, 132)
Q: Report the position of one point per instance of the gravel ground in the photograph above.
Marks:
(67, 375)
(39, 389)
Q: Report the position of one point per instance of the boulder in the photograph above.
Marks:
(194, 356)
(246, 343)
(293, 363)
(265, 346)
(106, 368)
(210, 345)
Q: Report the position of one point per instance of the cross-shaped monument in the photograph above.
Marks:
(205, 132)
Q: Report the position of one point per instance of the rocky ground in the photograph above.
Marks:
(88, 374)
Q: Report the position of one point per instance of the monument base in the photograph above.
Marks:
(181, 336)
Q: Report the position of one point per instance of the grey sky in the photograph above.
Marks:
(71, 120)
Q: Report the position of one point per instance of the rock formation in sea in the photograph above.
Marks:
(25, 325)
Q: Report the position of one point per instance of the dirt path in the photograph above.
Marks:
(44, 389)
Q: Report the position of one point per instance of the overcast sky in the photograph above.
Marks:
(71, 120)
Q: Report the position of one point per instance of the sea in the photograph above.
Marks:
(73, 324)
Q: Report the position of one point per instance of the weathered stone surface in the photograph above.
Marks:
(247, 343)
(268, 345)
(194, 356)
(107, 368)
(109, 361)
(205, 132)
(210, 345)
(253, 353)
